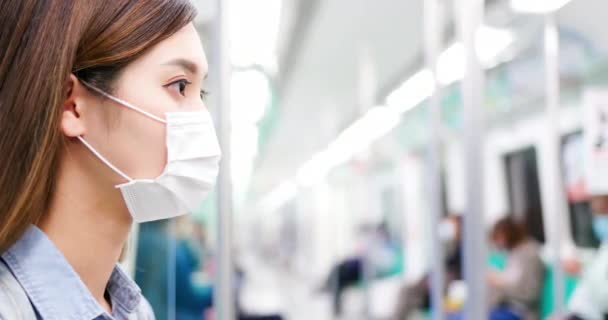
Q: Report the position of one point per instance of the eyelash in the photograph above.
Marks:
(204, 94)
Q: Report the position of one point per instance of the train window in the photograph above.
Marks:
(524, 190)
(574, 183)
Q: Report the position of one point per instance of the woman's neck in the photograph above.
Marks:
(89, 224)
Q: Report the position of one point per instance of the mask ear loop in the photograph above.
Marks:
(104, 160)
(124, 103)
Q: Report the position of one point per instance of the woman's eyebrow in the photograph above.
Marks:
(189, 65)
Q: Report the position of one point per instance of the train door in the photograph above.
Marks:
(524, 190)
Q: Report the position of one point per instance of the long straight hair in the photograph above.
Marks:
(42, 42)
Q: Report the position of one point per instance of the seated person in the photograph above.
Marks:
(417, 295)
(514, 293)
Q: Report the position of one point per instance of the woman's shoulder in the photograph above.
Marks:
(529, 250)
(14, 303)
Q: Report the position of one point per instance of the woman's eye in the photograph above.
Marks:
(179, 86)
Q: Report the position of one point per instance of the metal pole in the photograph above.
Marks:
(402, 207)
(471, 14)
(367, 277)
(367, 86)
(224, 294)
(433, 40)
(556, 193)
(338, 302)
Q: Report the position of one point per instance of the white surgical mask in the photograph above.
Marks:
(193, 155)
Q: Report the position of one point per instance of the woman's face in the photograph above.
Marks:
(167, 78)
(599, 205)
(500, 241)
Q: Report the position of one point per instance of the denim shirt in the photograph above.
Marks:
(37, 283)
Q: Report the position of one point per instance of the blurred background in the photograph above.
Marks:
(421, 159)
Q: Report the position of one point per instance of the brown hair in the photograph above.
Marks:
(42, 42)
(513, 231)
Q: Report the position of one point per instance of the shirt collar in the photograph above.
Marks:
(54, 288)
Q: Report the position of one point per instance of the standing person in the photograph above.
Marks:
(590, 298)
(192, 299)
(103, 124)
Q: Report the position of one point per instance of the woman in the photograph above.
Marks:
(515, 291)
(102, 125)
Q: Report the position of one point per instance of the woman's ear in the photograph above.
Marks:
(72, 122)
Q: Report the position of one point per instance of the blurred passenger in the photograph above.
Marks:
(417, 296)
(192, 299)
(376, 253)
(590, 298)
(154, 261)
(515, 291)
